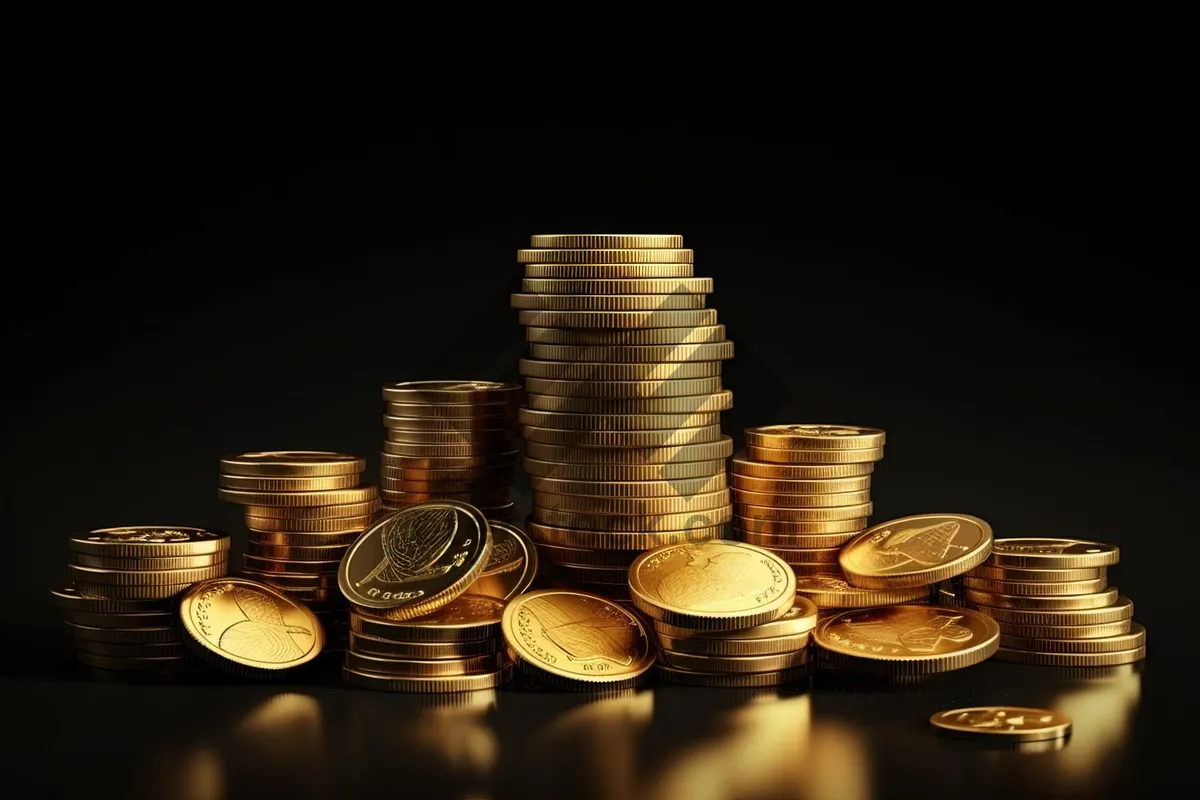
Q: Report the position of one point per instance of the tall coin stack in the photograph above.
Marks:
(451, 440)
(120, 605)
(1053, 604)
(622, 430)
(303, 509)
(803, 491)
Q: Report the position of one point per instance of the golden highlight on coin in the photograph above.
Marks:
(1052, 554)
(909, 639)
(292, 464)
(1013, 723)
(916, 551)
(815, 437)
(511, 566)
(830, 589)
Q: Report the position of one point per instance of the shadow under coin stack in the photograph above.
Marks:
(303, 509)
(1053, 604)
(802, 491)
(622, 429)
(451, 440)
(120, 608)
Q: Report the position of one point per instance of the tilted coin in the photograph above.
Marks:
(424, 651)
(120, 577)
(596, 371)
(451, 392)
(632, 523)
(706, 451)
(633, 354)
(469, 618)
(249, 628)
(1120, 609)
(149, 541)
(708, 646)
(780, 527)
(717, 680)
(453, 411)
(1036, 587)
(414, 561)
(1135, 637)
(615, 422)
(435, 668)
(1105, 597)
(916, 551)
(615, 287)
(777, 500)
(714, 585)
(909, 639)
(512, 565)
(618, 320)
(621, 540)
(815, 437)
(604, 256)
(149, 635)
(257, 483)
(292, 464)
(340, 511)
(152, 564)
(780, 456)
(800, 487)
(1071, 659)
(827, 514)
(358, 494)
(586, 241)
(1013, 723)
(831, 590)
(577, 640)
(701, 501)
(1051, 632)
(679, 488)
(631, 337)
(673, 437)
(445, 683)
(292, 566)
(306, 531)
(741, 465)
(600, 471)
(602, 303)
(1052, 575)
(289, 552)
(1053, 553)
(735, 664)
(69, 599)
(800, 619)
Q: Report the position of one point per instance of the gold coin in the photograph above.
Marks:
(908, 639)
(149, 541)
(152, 564)
(604, 303)
(831, 514)
(1052, 554)
(800, 619)
(681, 488)
(673, 437)
(412, 668)
(282, 579)
(590, 423)
(722, 680)
(633, 523)
(292, 464)
(1071, 659)
(424, 651)
(490, 497)
(164, 577)
(708, 353)
(253, 483)
(1073, 602)
(622, 540)
(134, 664)
(609, 591)
(735, 664)
(625, 338)
(599, 471)
(359, 494)
(618, 320)
(804, 568)
(617, 286)
(117, 650)
(660, 255)
(815, 437)
(150, 635)
(1030, 588)
(512, 565)
(310, 527)
(916, 551)
(414, 561)
(284, 539)
(69, 599)
(1012, 723)
(464, 427)
(499, 473)
(502, 439)
(339, 511)
(482, 486)
(321, 553)
(627, 390)
(451, 392)
(776, 527)
(740, 465)
(453, 412)
(788, 541)
(292, 566)
(809, 555)
(621, 506)
(576, 573)
(610, 409)
(586, 557)
(435, 456)
(1052, 575)
(1134, 638)
(831, 590)
(668, 455)
(446, 464)
(801, 487)
(777, 456)
(706, 646)
(449, 683)
(775, 500)
(467, 619)
(1096, 631)
(249, 628)
(160, 619)
(575, 640)
(620, 241)
(691, 585)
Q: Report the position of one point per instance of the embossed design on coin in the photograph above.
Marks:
(1011, 722)
(917, 550)
(586, 634)
(714, 577)
(512, 566)
(912, 638)
(932, 544)
(412, 545)
(149, 534)
(1045, 553)
(506, 555)
(896, 636)
(262, 635)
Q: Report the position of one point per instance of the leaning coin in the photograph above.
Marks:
(908, 639)
(1071, 659)
(831, 590)
(70, 600)
(1118, 610)
(1012, 723)
(801, 618)
(1052, 553)
(512, 565)
(469, 618)
(916, 551)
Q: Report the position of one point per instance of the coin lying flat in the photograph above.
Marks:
(916, 551)
(630, 337)
(815, 437)
(779, 500)
(741, 465)
(293, 464)
(683, 487)
(70, 600)
(1109, 659)
(788, 541)
(633, 354)
(708, 646)
(619, 241)
(800, 487)
(1100, 630)
(151, 564)
(669, 437)
(470, 412)
(420, 668)
(257, 483)
(602, 303)
(1033, 588)
(1014, 723)
(1119, 609)
(624, 472)
(831, 590)
(909, 639)
(1134, 638)
(164, 632)
(469, 618)
(511, 566)
(451, 392)
(779, 456)
(149, 541)
(991, 573)
(735, 664)
(1052, 553)
(340, 511)
(658, 255)
(358, 494)
(800, 619)
(1105, 597)
(445, 683)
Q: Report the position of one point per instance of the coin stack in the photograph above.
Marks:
(120, 606)
(1053, 604)
(451, 440)
(622, 430)
(303, 509)
(803, 491)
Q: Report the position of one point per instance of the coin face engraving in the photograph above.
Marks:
(150, 534)
(1049, 547)
(916, 550)
(931, 544)
(506, 556)
(912, 633)
(826, 582)
(250, 624)
(412, 546)
(901, 636)
(813, 430)
(1014, 723)
(711, 576)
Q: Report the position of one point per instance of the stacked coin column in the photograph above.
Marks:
(451, 440)
(622, 432)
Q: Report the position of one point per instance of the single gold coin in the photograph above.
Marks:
(735, 664)
(292, 464)
(473, 413)
(658, 255)
(617, 286)
(451, 392)
(69, 599)
(788, 541)
(771, 486)
(462, 425)
(908, 639)
(320, 553)
(424, 651)
(704, 353)
(149, 541)
(339, 511)
(614, 422)
(1055, 632)
(639, 337)
(1032, 588)
(916, 551)
(831, 590)
(156, 634)
(254, 483)
(779, 456)
(309, 528)
(249, 628)
(1105, 597)
(575, 640)
(600, 471)
(672, 437)
(446, 683)
(604, 303)
(776, 500)
(292, 566)
(680, 488)
(416, 560)
(713, 585)
(618, 320)
(798, 620)
(778, 527)
(612, 411)
(988, 572)
(631, 522)
(624, 390)
(815, 437)
(639, 506)
(1012, 723)
(741, 465)
(359, 494)
(720, 680)
(1071, 659)
(829, 514)
(151, 564)
(764, 646)
(512, 565)
(1052, 554)
(120, 577)
(612, 241)
(1134, 638)
(414, 668)
(622, 540)
(469, 618)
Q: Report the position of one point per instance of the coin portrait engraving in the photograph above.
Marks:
(714, 577)
(900, 635)
(587, 631)
(412, 545)
(932, 544)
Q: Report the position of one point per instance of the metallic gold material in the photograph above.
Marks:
(609, 456)
(436, 463)
(680, 488)
(800, 487)
(618, 320)
(1052, 554)
(778, 456)
(135, 621)
(831, 590)
(577, 640)
(777, 527)
(449, 429)
(1011, 723)
(512, 565)
(292, 566)
(715, 585)
(424, 651)
(492, 497)
(831, 514)
(254, 483)
(152, 564)
(632, 523)
(287, 574)
(1031, 588)
(605, 303)
(800, 619)
(640, 506)
(622, 540)
(788, 541)
(451, 392)
(750, 680)
(777, 500)
(707, 646)
(1135, 637)
(359, 494)
(308, 528)
(1071, 659)
(451, 683)
(70, 600)
(638, 337)
(323, 553)
(413, 668)
(704, 353)
(916, 551)
(815, 437)
(452, 412)
(501, 474)
(491, 452)
(1096, 631)
(616, 286)
(1053, 575)
(735, 664)
(615, 422)
(120, 577)
(139, 664)
(121, 650)
(673, 437)
(604, 256)
(1073, 602)
(586, 557)
(741, 465)
(149, 541)
(339, 511)
(624, 390)
(908, 639)
(148, 635)
(495, 439)
(615, 241)
(292, 464)
(470, 618)
(614, 576)
(624, 472)
(809, 555)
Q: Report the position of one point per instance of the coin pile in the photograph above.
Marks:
(303, 509)
(1053, 604)
(120, 604)
(622, 430)
(450, 440)
(803, 491)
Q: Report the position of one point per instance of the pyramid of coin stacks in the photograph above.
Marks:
(803, 491)
(1053, 604)
(451, 440)
(303, 509)
(622, 430)
(120, 604)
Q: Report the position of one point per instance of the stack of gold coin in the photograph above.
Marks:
(120, 604)
(451, 440)
(303, 509)
(803, 491)
(725, 613)
(622, 429)
(414, 625)
(1053, 604)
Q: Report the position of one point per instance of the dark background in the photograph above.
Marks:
(1003, 290)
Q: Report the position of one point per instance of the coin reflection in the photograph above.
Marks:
(1103, 705)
